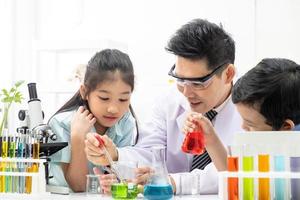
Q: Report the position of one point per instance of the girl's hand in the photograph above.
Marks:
(106, 180)
(95, 152)
(82, 121)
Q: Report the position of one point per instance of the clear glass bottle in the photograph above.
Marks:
(158, 186)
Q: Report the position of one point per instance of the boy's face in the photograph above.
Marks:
(201, 100)
(252, 119)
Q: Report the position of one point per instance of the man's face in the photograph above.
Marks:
(252, 119)
(201, 100)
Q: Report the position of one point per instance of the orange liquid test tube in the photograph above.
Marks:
(28, 183)
(264, 183)
(233, 182)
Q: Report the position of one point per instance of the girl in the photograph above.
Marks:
(101, 105)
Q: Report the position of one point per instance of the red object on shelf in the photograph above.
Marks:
(194, 143)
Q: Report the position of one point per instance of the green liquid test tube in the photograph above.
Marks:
(4, 155)
(248, 190)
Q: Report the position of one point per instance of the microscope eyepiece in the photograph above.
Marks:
(32, 91)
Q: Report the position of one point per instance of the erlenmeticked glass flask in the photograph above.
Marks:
(194, 142)
(158, 186)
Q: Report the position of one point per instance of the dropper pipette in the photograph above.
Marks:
(110, 161)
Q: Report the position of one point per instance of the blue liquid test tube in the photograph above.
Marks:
(280, 183)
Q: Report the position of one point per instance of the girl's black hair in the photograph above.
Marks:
(100, 68)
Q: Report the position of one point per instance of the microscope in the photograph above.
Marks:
(32, 119)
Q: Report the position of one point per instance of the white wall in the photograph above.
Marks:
(278, 29)
(43, 40)
(6, 42)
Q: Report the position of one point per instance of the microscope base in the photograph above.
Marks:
(57, 189)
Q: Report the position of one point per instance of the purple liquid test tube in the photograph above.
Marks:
(295, 183)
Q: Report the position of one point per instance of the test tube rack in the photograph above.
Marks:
(284, 143)
(223, 177)
(37, 183)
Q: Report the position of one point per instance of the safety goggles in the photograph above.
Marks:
(196, 83)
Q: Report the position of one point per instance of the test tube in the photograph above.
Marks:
(28, 144)
(4, 155)
(1, 169)
(280, 183)
(264, 183)
(5, 164)
(281, 191)
(232, 182)
(28, 149)
(1, 137)
(20, 154)
(5, 143)
(295, 183)
(13, 167)
(248, 166)
(35, 153)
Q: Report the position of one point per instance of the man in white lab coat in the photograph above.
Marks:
(204, 72)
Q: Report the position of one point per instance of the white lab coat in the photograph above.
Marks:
(165, 128)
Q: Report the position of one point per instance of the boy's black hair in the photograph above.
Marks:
(272, 87)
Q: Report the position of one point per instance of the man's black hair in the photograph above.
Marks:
(201, 39)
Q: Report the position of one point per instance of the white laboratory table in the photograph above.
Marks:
(83, 196)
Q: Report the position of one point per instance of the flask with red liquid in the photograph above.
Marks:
(194, 142)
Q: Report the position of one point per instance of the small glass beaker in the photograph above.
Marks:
(189, 183)
(93, 184)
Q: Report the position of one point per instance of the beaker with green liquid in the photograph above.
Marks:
(125, 188)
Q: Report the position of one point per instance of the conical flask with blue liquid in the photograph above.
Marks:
(158, 186)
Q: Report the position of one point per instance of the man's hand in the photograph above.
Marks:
(95, 152)
(142, 175)
(197, 122)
